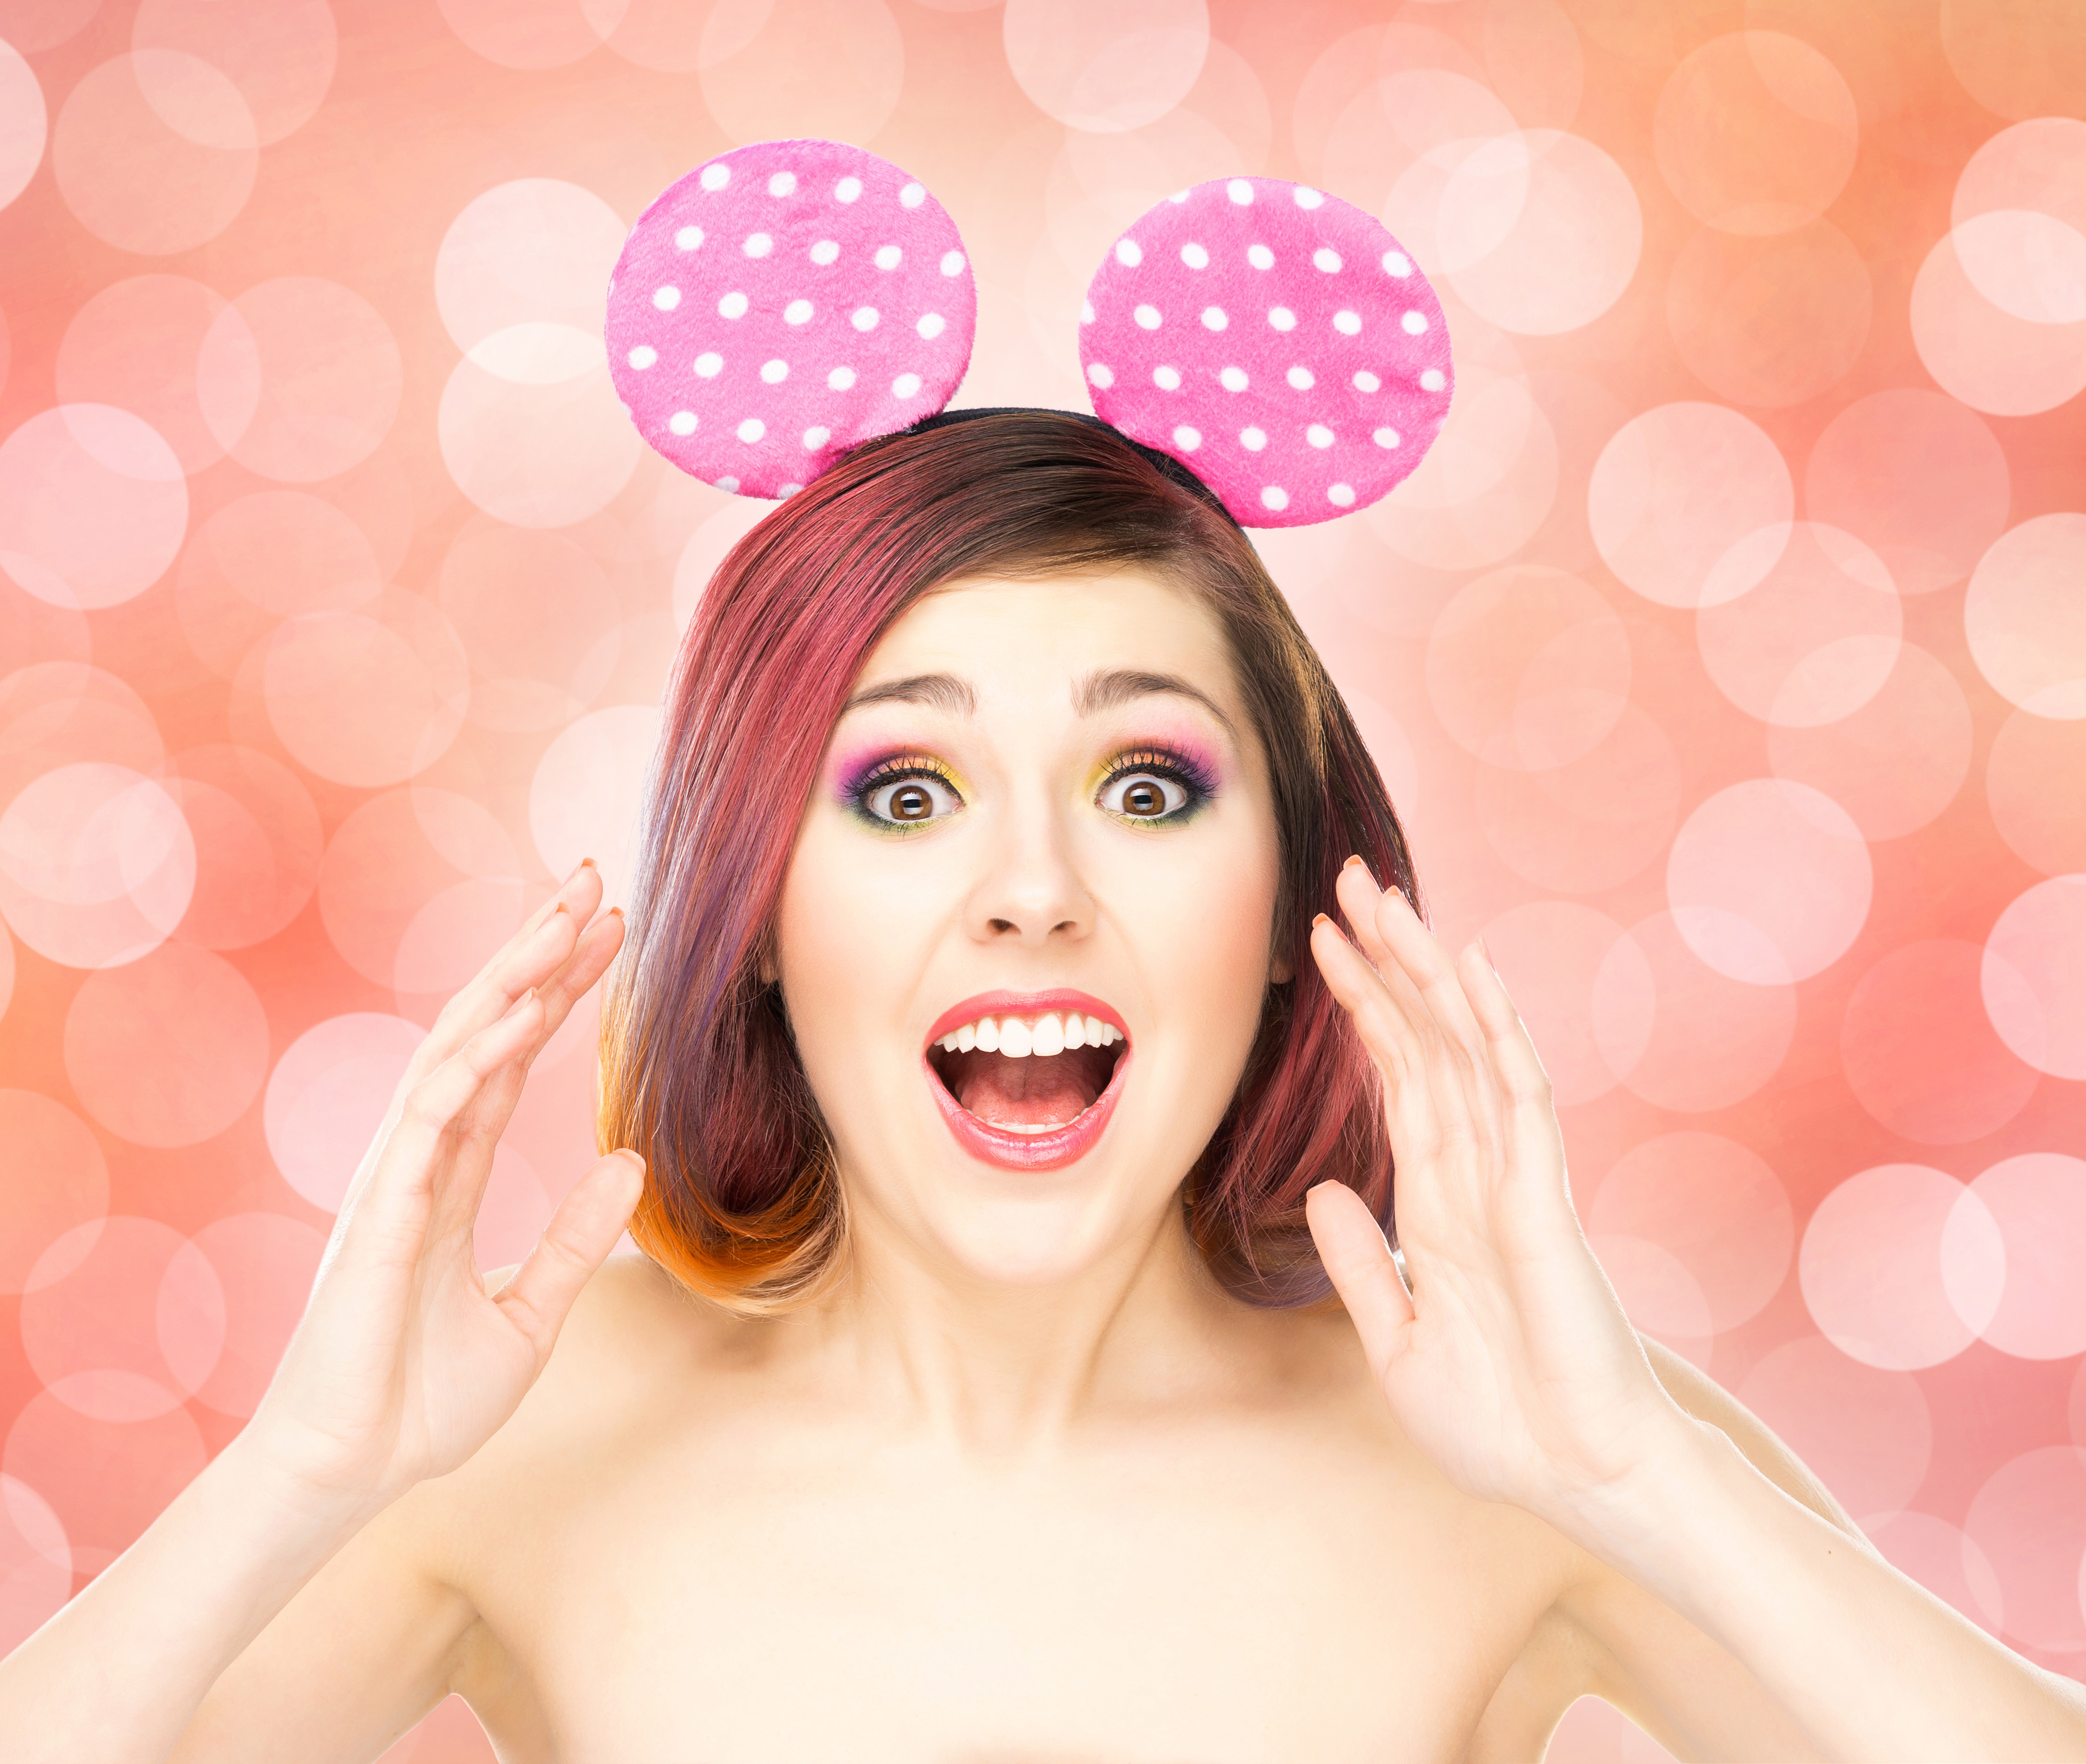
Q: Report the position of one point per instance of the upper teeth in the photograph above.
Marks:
(1017, 1037)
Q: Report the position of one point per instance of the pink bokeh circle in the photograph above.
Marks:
(1592, 822)
(2026, 619)
(299, 378)
(1486, 484)
(2034, 976)
(1919, 1053)
(264, 1264)
(1769, 882)
(155, 152)
(105, 1480)
(1917, 477)
(788, 69)
(258, 844)
(55, 1181)
(1983, 354)
(369, 697)
(329, 1095)
(540, 621)
(168, 1050)
(530, 34)
(2019, 212)
(1770, 322)
(1756, 133)
(1713, 1204)
(2038, 1200)
(290, 552)
(1813, 639)
(1867, 1434)
(23, 121)
(2029, 1518)
(537, 453)
(97, 865)
(280, 54)
(131, 1327)
(419, 888)
(1901, 1266)
(1548, 952)
(1895, 764)
(138, 344)
(1674, 490)
(588, 790)
(1678, 1033)
(35, 1562)
(1106, 65)
(2028, 780)
(93, 505)
(1942, 1559)
(533, 251)
(55, 714)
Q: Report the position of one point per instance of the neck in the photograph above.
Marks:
(1008, 1372)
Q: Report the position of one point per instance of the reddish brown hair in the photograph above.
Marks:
(742, 1201)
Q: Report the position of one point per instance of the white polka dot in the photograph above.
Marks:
(848, 190)
(733, 305)
(1282, 318)
(797, 313)
(865, 318)
(689, 238)
(1233, 380)
(1366, 381)
(682, 423)
(1100, 373)
(1276, 497)
(787, 491)
(824, 252)
(913, 196)
(782, 184)
(715, 176)
(1398, 264)
(1385, 437)
(731, 484)
(1326, 259)
(775, 371)
(1215, 317)
(1348, 324)
(842, 379)
(1166, 379)
(1148, 317)
(1299, 377)
(1260, 257)
(1306, 197)
(1341, 495)
(709, 365)
(931, 325)
(1194, 257)
(1187, 439)
(816, 438)
(1319, 435)
(1414, 323)
(643, 355)
(906, 386)
(952, 263)
(1086, 311)
(666, 298)
(757, 245)
(751, 429)
(1240, 191)
(1433, 379)
(1253, 440)
(887, 256)
(1129, 254)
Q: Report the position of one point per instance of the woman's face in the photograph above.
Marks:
(1043, 803)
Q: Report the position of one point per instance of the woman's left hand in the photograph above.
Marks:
(1509, 1363)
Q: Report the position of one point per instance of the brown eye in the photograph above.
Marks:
(1144, 795)
(911, 801)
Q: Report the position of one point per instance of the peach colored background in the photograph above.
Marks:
(1728, 657)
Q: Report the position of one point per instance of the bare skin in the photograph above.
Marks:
(1026, 1485)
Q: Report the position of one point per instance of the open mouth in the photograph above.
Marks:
(1030, 1088)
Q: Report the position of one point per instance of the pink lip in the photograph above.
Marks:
(1061, 1146)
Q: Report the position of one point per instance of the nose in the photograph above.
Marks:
(1029, 891)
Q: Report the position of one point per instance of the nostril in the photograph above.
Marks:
(1000, 924)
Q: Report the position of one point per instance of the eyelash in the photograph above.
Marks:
(1193, 778)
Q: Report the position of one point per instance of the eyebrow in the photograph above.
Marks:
(1104, 690)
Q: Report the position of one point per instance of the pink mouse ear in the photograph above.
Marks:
(1278, 342)
(783, 304)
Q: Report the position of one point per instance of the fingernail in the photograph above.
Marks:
(1318, 920)
(586, 863)
(617, 911)
(1351, 862)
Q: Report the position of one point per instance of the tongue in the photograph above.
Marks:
(1024, 1094)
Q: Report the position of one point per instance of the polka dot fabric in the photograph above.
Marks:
(1278, 342)
(784, 303)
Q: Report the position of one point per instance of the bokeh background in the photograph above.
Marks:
(1727, 657)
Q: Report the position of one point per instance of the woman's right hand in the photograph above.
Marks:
(402, 1364)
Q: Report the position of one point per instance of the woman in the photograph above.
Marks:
(1011, 1423)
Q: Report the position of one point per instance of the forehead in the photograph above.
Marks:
(1011, 635)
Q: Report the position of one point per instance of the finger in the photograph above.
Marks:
(1357, 1259)
(596, 948)
(1419, 955)
(577, 1241)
